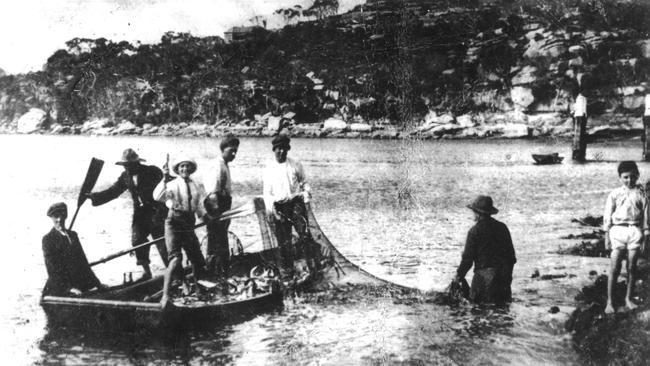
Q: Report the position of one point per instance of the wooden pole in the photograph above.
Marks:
(646, 129)
(580, 129)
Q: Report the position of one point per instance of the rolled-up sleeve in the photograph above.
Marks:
(160, 191)
(302, 179)
(610, 206)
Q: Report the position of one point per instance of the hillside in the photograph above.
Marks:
(459, 68)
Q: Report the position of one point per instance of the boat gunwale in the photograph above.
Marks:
(60, 300)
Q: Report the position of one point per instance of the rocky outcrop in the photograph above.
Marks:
(32, 121)
(474, 71)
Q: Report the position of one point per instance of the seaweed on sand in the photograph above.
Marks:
(618, 339)
(593, 243)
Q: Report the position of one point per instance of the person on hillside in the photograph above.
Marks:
(67, 267)
(217, 202)
(625, 222)
(489, 248)
(184, 197)
(148, 214)
(286, 193)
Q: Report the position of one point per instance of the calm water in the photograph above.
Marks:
(397, 208)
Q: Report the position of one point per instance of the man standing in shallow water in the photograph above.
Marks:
(148, 215)
(489, 247)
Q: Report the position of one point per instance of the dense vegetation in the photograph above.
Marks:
(388, 60)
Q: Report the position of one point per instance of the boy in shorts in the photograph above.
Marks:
(625, 222)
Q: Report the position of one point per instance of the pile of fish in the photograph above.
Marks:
(260, 280)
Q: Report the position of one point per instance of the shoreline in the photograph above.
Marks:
(441, 127)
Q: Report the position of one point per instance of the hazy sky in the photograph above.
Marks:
(33, 29)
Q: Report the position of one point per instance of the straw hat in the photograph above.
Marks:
(185, 160)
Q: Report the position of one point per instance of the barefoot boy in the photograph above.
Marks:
(625, 222)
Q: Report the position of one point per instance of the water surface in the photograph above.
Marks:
(397, 208)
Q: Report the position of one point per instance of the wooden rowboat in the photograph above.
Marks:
(135, 306)
(547, 159)
(124, 308)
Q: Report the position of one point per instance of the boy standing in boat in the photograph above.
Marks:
(625, 222)
(489, 248)
(67, 267)
(148, 214)
(184, 198)
(218, 201)
(286, 192)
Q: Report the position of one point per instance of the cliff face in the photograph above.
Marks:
(455, 68)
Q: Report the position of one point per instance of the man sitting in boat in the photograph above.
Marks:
(67, 266)
(184, 197)
(489, 248)
(148, 214)
(218, 201)
(286, 192)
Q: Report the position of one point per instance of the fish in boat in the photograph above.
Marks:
(135, 306)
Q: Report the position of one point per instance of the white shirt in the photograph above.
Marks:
(176, 198)
(218, 180)
(281, 180)
(626, 206)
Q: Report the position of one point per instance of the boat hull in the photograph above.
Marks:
(103, 314)
(547, 159)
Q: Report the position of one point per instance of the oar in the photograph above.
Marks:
(94, 169)
(242, 210)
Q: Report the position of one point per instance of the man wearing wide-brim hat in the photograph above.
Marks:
(489, 248)
(148, 214)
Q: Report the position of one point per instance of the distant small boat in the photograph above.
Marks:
(546, 159)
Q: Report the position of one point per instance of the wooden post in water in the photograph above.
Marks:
(580, 129)
(646, 129)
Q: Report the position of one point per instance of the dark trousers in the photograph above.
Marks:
(294, 214)
(218, 247)
(218, 251)
(179, 234)
(146, 223)
(492, 285)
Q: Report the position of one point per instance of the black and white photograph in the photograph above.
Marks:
(325, 182)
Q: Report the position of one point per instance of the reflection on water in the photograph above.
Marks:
(397, 208)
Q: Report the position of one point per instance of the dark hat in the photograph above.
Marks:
(185, 160)
(229, 141)
(129, 156)
(483, 204)
(281, 140)
(57, 208)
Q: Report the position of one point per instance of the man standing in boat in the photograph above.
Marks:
(184, 197)
(489, 248)
(217, 202)
(286, 193)
(148, 215)
(67, 266)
